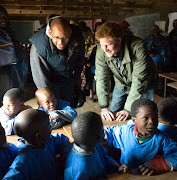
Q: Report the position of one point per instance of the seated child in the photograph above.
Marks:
(59, 111)
(36, 157)
(13, 103)
(88, 158)
(144, 148)
(8, 152)
(167, 113)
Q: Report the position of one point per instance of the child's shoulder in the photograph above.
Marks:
(10, 148)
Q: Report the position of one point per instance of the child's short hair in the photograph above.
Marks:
(86, 127)
(28, 122)
(167, 110)
(15, 93)
(43, 90)
(142, 102)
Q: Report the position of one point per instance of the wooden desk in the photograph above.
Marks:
(13, 138)
(169, 76)
(164, 176)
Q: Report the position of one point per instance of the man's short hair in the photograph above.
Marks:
(15, 93)
(140, 103)
(86, 127)
(109, 29)
(59, 20)
(167, 110)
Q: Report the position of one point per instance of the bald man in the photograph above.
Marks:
(57, 57)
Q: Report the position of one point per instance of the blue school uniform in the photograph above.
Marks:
(169, 130)
(134, 153)
(63, 105)
(7, 155)
(93, 166)
(34, 163)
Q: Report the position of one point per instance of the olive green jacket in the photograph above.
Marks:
(136, 72)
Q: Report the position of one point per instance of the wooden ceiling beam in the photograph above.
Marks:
(74, 3)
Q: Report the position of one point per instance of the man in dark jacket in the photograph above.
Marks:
(57, 57)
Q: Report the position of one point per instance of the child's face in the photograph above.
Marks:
(2, 137)
(146, 120)
(48, 101)
(11, 106)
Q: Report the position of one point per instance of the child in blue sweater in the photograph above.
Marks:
(8, 152)
(167, 113)
(13, 103)
(59, 111)
(36, 157)
(144, 148)
(88, 158)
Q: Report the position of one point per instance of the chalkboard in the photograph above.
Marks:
(23, 31)
(141, 25)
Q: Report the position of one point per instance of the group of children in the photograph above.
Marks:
(145, 149)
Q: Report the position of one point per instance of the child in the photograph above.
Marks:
(167, 113)
(8, 152)
(143, 147)
(59, 111)
(36, 158)
(88, 158)
(13, 103)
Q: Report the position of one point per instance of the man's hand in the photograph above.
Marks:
(123, 168)
(147, 169)
(122, 115)
(107, 115)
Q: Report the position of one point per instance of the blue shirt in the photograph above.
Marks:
(86, 167)
(7, 155)
(133, 153)
(62, 105)
(169, 130)
(36, 164)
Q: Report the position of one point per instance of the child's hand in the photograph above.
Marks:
(147, 169)
(123, 168)
(51, 117)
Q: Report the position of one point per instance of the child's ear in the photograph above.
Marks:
(22, 103)
(38, 103)
(37, 138)
(134, 119)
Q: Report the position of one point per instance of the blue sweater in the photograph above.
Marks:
(63, 105)
(169, 130)
(133, 153)
(7, 155)
(87, 167)
(36, 164)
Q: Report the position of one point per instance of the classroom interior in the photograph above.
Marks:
(27, 17)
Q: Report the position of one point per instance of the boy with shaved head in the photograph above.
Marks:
(59, 111)
(57, 56)
(13, 103)
(36, 157)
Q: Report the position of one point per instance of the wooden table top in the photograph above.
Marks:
(13, 138)
(163, 176)
(171, 75)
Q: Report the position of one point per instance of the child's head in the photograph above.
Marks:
(13, 101)
(2, 137)
(33, 125)
(46, 98)
(145, 115)
(167, 110)
(87, 129)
